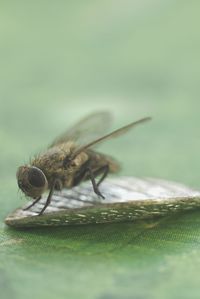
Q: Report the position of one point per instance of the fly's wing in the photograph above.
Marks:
(114, 134)
(89, 128)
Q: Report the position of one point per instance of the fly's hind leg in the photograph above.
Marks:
(105, 170)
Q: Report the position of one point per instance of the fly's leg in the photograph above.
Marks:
(56, 183)
(92, 177)
(31, 205)
(105, 170)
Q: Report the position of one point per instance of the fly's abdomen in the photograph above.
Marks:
(98, 160)
(114, 166)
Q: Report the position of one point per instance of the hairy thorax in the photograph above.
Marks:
(52, 163)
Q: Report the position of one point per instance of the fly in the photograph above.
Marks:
(70, 160)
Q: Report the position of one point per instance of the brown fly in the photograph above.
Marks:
(70, 160)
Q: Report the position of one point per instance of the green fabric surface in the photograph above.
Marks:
(61, 60)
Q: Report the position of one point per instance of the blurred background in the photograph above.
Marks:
(61, 60)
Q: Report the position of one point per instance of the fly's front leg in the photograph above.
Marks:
(31, 205)
(55, 183)
(95, 185)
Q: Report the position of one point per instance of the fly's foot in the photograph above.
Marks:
(96, 190)
(41, 212)
(27, 208)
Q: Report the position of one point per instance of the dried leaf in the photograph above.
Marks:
(127, 199)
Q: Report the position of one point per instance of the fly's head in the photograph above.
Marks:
(32, 181)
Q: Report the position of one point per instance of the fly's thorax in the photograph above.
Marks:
(71, 170)
(32, 181)
(51, 161)
(76, 163)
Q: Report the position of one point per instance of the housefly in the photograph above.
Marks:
(70, 159)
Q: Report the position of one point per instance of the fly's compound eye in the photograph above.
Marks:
(36, 177)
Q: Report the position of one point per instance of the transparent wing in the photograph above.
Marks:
(85, 131)
(113, 134)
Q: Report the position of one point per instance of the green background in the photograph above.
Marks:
(61, 60)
